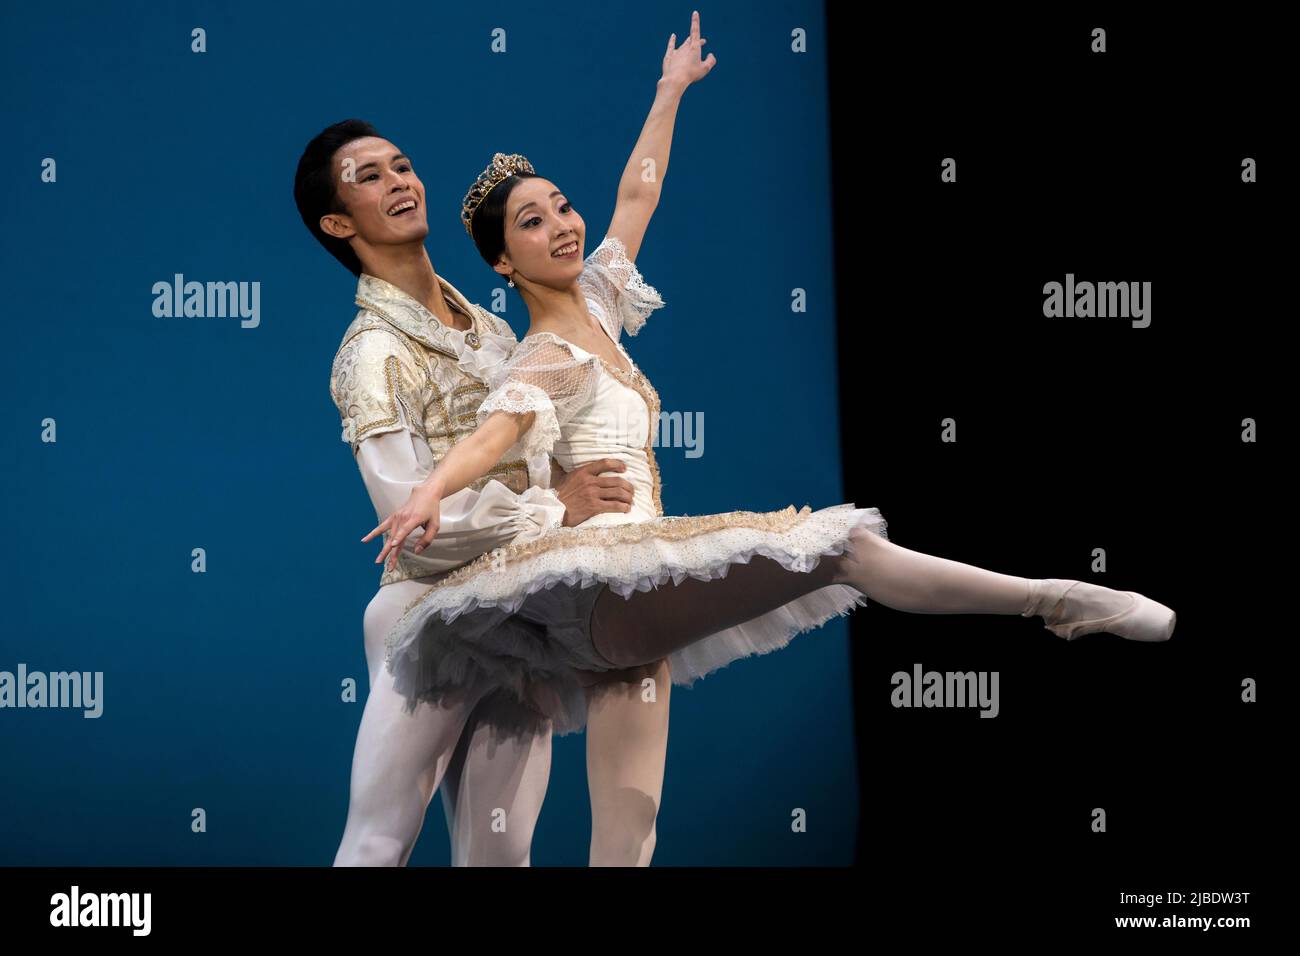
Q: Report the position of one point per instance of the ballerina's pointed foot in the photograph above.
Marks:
(1071, 609)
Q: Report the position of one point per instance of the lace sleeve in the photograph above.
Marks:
(611, 280)
(542, 376)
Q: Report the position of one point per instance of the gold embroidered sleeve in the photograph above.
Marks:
(377, 386)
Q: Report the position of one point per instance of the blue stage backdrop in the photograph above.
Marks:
(222, 689)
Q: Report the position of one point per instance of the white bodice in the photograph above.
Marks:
(584, 407)
(614, 423)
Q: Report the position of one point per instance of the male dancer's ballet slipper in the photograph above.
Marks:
(1072, 609)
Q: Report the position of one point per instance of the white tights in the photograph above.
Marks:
(627, 744)
(400, 759)
(649, 625)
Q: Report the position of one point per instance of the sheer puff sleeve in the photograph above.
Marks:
(545, 377)
(611, 280)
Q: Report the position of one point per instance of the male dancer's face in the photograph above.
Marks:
(383, 197)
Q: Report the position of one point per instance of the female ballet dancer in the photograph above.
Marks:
(742, 583)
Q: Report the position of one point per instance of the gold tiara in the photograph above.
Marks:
(501, 168)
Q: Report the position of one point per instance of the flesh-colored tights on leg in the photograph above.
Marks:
(649, 625)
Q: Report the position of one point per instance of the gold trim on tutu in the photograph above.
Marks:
(672, 528)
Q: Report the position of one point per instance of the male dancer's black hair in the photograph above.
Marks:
(313, 186)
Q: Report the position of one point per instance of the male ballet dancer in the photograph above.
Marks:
(407, 381)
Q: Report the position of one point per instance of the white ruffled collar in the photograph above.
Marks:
(477, 350)
(491, 352)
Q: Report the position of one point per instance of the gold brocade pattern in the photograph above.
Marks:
(391, 375)
(675, 528)
(397, 368)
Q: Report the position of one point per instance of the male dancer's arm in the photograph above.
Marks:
(467, 461)
(375, 383)
(394, 463)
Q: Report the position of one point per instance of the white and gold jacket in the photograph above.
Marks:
(407, 388)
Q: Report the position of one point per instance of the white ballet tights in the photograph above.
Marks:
(400, 759)
(649, 625)
(908, 580)
(627, 745)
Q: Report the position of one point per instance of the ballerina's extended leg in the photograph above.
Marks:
(652, 624)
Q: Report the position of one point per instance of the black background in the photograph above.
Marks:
(1073, 434)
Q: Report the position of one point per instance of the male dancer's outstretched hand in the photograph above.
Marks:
(422, 510)
(584, 492)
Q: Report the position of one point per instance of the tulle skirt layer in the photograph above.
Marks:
(518, 619)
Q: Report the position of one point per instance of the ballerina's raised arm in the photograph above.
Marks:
(547, 380)
(642, 180)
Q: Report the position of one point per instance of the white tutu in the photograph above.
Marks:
(518, 618)
(517, 621)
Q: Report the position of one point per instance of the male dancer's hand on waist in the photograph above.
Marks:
(585, 491)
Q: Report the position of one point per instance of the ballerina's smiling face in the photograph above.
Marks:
(544, 235)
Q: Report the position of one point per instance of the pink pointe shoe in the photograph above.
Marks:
(1072, 609)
